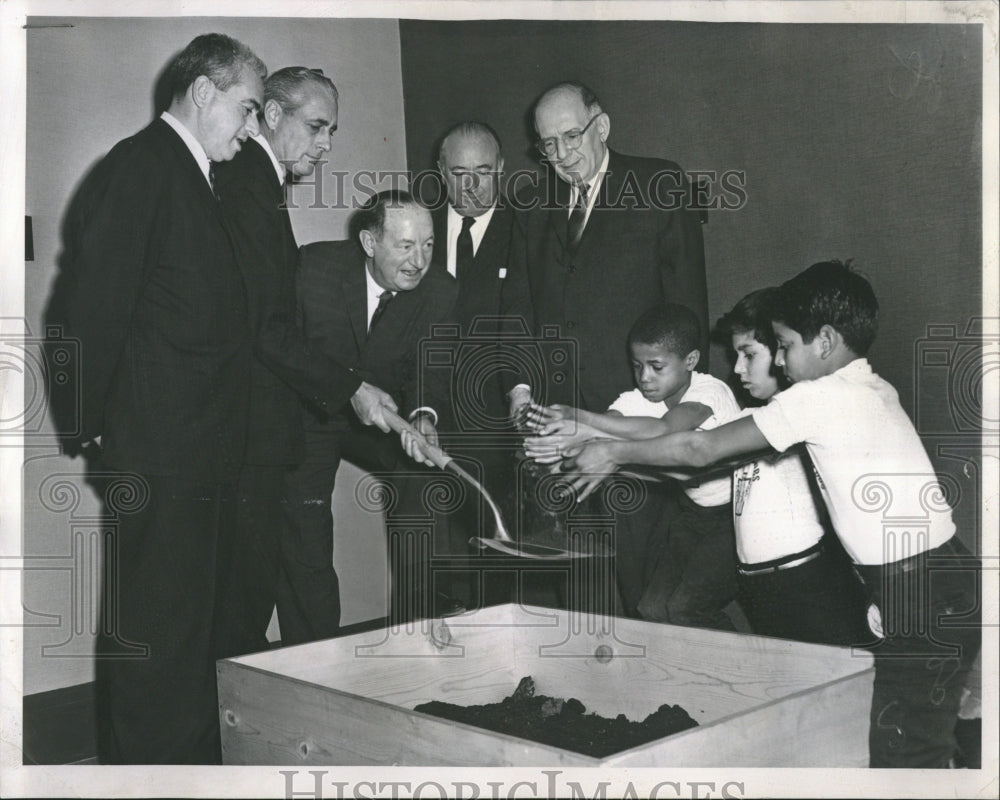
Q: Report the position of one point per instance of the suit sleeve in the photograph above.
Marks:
(681, 255)
(515, 296)
(113, 234)
(256, 226)
(431, 387)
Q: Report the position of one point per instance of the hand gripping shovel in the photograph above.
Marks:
(503, 540)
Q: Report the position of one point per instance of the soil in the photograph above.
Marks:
(563, 723)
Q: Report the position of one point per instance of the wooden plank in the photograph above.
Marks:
(269, 721)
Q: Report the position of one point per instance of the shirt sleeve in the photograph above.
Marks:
(789, 417)
(716, 396)
(622, 405)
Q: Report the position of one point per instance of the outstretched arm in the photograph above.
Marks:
(588, 464)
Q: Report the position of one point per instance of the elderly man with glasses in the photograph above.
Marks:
(610, 237)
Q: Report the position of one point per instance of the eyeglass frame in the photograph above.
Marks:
(563, 137)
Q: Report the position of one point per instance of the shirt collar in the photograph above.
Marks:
(200, 157)
(263, 142)
(374, 290)
(455, 219)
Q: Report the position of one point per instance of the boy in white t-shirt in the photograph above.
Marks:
(692, 575)
(884, 500)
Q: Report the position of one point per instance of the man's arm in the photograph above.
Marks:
(113, 236)
(516, 308)
(588, 464)
(258, 232)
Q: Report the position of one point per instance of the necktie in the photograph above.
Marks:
(463, 252)
(211, 179)
(383, 302)
(577, 217)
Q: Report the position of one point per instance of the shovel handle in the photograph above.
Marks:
(438, 456)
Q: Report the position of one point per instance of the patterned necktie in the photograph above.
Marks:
(577, 218)
(463, 252)
(383, 302)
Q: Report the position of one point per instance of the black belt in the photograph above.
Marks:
(785, 562)
(904, 565)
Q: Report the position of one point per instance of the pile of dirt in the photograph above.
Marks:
(563, 723)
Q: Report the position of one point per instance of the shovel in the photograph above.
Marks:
(503, 541)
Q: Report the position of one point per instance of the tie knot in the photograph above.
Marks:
(467, 223)
(385, 297)
(582, 188)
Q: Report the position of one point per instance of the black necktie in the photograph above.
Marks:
(211, 179)
(577, 217)
(383, 302)
(463, 252)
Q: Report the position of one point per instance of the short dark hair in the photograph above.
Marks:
(286, 86)
(752, 314)
(672, 325)
(829, 293)
(587, 95)
(218, 57)
(371, 217)
(470, 128)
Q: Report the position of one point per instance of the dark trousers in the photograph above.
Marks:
(821, 601)
(161, 582)
(253, 562)
(638, 539)
(694, 576)
(931, 616)
(416, 501)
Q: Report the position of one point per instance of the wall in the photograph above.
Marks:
(857, 142)
(88, 86)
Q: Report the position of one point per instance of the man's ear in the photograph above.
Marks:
(272, 114)
(828, 340)
(201, 90)
(604, 126)
(367, 242)
(499, 166)
(691, 360)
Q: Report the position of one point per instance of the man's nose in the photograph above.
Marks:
(325, 141)
(419, 259)
(561, 149)
(779, 359)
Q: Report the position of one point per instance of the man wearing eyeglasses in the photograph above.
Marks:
(155, 298)
(606, 240)
(297, 122)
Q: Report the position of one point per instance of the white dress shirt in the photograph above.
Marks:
(192, 144)
(477, 231)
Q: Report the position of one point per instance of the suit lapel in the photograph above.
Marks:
(190, 166)
(607, 192)
(356, 299)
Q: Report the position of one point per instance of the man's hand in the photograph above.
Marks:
(541, 417)
(587, 465)
(413, 446)
(368, 402)
(520, 401)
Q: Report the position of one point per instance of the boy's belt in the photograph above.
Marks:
(904, 565)
(785, 562)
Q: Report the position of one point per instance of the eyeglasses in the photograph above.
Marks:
(571, 140)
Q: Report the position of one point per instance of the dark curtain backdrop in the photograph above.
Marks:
(857, 141)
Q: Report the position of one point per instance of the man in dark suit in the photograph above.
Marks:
(472, 232)
(367, 308)
(608, 239)
(156, 300)
(297, 122)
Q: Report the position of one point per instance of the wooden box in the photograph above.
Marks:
(349, 701)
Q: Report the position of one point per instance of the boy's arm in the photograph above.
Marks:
(588, 464)
(682, 417)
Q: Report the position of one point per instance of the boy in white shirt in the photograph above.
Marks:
(693, 569)
(885, 504)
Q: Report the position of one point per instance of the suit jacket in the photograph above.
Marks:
(252, 201)
(332, 304)
(479, 290)
(635, 251)
(157, 303)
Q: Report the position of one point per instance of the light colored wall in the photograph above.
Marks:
(89, 86)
